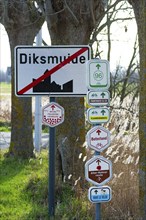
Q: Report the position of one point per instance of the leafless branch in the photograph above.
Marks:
(71, 12)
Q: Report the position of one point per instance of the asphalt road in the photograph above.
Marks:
(5, 140)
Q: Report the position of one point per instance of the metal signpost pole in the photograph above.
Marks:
(97, 205)
(53, 115)
(51, 196)
(38, 108)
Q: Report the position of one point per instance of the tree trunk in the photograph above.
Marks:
(140, 14)
(22, 21)
(71, 23)
(21, 111)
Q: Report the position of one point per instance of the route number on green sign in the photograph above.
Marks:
(98, 74)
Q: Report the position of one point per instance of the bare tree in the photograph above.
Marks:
(122, 84)
(140, 14)
(112, 15)
(71, 23)
(126, 81)
(22, 20)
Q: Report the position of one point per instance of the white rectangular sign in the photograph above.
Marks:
(98, 115)
(55, 70)
(98, 98)
(99, 194)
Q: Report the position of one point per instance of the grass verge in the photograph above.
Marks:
(24, 192)
(23, 186)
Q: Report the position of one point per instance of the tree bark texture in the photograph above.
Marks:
(22, 21)
(71, 23)
(140, 14)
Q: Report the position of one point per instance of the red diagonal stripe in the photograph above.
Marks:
(54, 69)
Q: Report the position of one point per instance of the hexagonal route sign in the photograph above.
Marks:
(98, 138)
(52, 114)
(98, 170)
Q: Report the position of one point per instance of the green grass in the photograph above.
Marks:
(5, 88)
(23, 188)
(24, 192)
(5, 126)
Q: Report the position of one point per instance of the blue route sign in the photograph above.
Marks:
(99, 194)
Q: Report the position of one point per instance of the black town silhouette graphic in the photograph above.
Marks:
(47, 86)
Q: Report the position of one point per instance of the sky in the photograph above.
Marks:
(5, 57)
(121, 49)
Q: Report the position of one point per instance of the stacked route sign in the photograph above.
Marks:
(98, 98)
(99, 194)
(98, 115)
(98, 170)
(98, 138)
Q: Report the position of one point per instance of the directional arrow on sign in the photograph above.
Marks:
(98, 161)
(98, 132)
(98, 167)
(96, 191)
(103, 111)
(53, 107)
(98, 66)
(102, 94)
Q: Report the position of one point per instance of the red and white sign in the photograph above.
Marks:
(98, 138)
(52, 114)
(54, 70)
(98, 170)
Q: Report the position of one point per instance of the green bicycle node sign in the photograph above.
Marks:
(98, 74)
